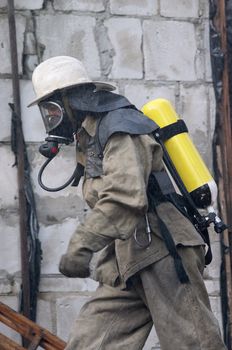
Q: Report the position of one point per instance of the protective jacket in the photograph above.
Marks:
(119, 157)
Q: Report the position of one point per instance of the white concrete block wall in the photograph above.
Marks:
(132, 7)
(24, 4)
(73, 35)
(148, 49)
(179, 9)
(170, 51)
(194, 104)
(12, 301)
(5, 113)
(67, 309)
(5, 42)
(126, 37)
(83, 5)
(139, 94)
(33, 127)
(8, 183)
(10, 245)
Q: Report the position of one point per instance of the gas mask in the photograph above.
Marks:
(61, 128)
(58, 127)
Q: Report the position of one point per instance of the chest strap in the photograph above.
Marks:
(171, 130)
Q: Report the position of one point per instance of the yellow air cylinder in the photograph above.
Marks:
(184, 155)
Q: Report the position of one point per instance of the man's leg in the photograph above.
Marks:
(181, 312)
(113, 319)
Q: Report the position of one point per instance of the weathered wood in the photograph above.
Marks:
(224, 161)
(20, 164)
(29, 330)
(8, 344)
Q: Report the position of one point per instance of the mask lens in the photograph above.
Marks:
(52, 115)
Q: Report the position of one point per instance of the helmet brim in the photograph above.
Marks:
(99, 86)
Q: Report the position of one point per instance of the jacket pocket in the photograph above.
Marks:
(106, 270)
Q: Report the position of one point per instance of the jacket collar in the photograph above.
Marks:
(90, 125)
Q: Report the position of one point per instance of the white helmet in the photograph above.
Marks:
(58, 73)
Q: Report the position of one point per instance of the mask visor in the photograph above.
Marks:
(52, 114)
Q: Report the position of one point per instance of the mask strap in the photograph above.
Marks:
(68, 110)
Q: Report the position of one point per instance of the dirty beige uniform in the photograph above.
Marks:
(139, 286)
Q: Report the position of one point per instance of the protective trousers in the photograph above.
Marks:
(122, 319)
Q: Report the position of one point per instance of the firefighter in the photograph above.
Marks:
(151, 259)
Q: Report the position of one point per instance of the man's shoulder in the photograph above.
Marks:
(124, 120)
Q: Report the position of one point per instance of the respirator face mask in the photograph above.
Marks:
(52, 114)
(60, 130)
(58, 127)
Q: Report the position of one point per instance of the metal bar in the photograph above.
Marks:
(20, 165)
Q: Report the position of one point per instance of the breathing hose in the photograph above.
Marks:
(75, 174)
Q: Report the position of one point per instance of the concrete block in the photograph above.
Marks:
(54, 241)
(105, 48)
(5, 112)
(74, 36)
(126, 38)
(6, 282)
(52, 211)
(44, 316)
(213, 287)
(10, 260)
(179, 8)
(212, 271)
(212, 110)
(194, 110)
(152, 342)
(206, 51)
(204, 8)
(33, 127)
(81, 5)
(8, 176)
(30, 44)
(139, 94)
(194, 103)
(67, 309)
(132, 7)
(30, 62)
(5, 58)
(215, 303)
(16, 283)
(24, 4)
(12, 302)
(5, 287)
(165, 53)
(214, 236)
(3, 4)
(62, 284)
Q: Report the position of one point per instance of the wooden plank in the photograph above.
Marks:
(224, 159)
(8, 344)
(29, 329)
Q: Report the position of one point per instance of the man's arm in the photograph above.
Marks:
(122, 200)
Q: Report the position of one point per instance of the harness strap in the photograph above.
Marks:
(173, 129)
(78, 173)
(159, 187)
(170, 244)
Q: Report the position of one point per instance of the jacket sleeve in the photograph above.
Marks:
(122, 200)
